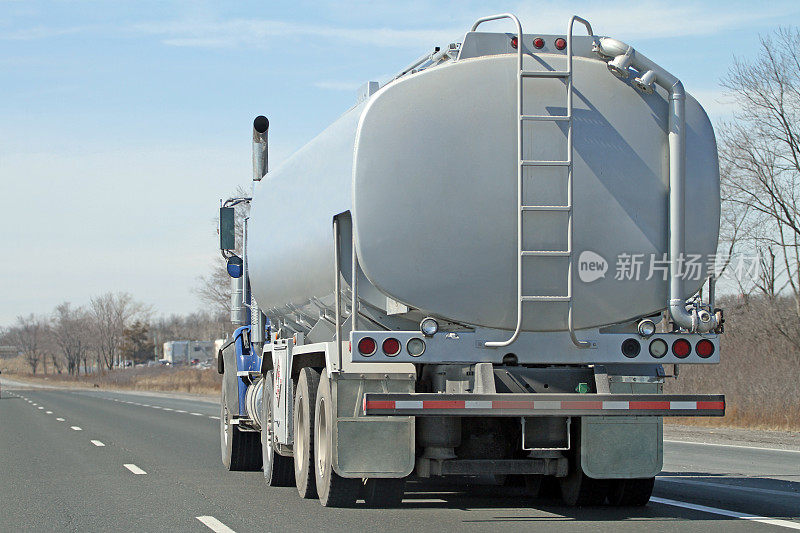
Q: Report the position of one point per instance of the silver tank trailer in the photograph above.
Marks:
(427, 167)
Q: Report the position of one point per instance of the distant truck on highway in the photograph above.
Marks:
(481, 268)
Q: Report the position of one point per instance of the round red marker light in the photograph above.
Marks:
(538, 42)
(367, 346)
(391, 347)
(704, 348)
(514, 43)
(681, 348)
(561, 43)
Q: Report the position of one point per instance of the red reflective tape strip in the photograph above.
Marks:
(582, 404)
(650, 405)
(443, 404)
(512, 404)
(378, 404)
(710, 405)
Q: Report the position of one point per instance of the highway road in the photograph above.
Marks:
(84, 460)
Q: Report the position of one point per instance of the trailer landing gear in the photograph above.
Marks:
(240, 449)
(278, 470)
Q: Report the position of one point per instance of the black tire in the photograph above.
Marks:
(278, 470)
(579, 490)
(305, 401)
(631, 492)
(333, 490)
(384, 493)
(241, 450)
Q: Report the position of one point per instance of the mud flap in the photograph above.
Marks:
(621, 447)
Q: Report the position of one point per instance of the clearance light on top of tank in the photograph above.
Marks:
(429, 326)
(561, 43)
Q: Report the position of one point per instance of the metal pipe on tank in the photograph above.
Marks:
(260, 152)
(676, 303)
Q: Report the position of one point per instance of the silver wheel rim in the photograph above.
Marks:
(322, 440)
(300, 434)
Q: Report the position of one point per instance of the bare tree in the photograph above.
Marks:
(28, 334)
(760, 155)
(111, 313)
(71, 332)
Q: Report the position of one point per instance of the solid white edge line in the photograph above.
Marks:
(214, 525)
(97, 443)
(76, 428)
(731, 446)
(135, 469)
(729, 486)
(196, 414)
(214, 417)
(730, 514)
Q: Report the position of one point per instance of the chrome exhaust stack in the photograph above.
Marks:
(260, 152)
(623, 56)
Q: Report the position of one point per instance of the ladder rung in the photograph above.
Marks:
(546, 253)
(554, 118)
(544, 73)
(542, 163)
(546, 208)
(546, 298)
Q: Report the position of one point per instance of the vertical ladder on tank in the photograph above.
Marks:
(566, 75)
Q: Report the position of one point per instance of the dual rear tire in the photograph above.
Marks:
(314, 420)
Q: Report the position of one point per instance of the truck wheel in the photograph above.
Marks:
(333, 490)
(305, 400)
(631, 492)
(278, 470)
(579, 490)
(384, 493)
(241, 450)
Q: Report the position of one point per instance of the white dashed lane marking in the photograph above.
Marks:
(214, 525)
(76, 428)
(98, 443)
(135, 469)
(48, 412)
(60, 419)
(197, 414)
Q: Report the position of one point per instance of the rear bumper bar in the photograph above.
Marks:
(432, 404)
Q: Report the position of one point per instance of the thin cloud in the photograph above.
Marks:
(238, 32)
(649, 19)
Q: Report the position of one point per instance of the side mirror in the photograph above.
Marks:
(227, 229)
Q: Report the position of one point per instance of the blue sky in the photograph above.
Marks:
(123, 123)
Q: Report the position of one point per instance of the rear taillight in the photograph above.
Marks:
(681, 348)
(631, 348)
(391, 347)
(658, 348)
(514, 43)
(367, 346)
(538, 42)
(704, 348)
(561, 43)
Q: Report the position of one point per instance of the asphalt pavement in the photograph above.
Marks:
(85, 460)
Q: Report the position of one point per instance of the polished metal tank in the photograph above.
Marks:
(427, 167)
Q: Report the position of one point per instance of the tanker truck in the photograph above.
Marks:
(485, 268)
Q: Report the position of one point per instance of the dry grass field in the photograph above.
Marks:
(759, 372)
(168, 379)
